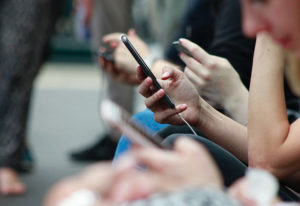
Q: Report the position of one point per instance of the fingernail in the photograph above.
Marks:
(161, 93)
(180, 40)
(182, 106)
(165, 75)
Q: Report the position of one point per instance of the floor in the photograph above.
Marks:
(64, 117)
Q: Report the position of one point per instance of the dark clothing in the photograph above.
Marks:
(25, 28)
(231, 168)
(230, 43)
(198, 26)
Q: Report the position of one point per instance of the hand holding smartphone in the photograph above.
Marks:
(107, 53)
(117, 118)
(145, 68)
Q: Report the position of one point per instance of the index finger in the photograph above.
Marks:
(198, 53)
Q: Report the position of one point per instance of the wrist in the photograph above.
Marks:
(236, 105)
(205, 115)
(150, 60)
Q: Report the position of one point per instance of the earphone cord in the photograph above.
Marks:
(179, 115)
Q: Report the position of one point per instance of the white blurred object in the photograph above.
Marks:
(82, 197)
(262, 187)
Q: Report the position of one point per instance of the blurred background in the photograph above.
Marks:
(63, 114)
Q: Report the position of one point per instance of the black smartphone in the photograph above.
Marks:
(145, 68)
(180, 48)
(107, 53)
(119, 119)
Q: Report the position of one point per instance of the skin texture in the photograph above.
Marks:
(123, 68)
(10, 183)
(214, 77)
(173, 170)
(194, 109)
(279, 18)
(216, 81)
(273, 142)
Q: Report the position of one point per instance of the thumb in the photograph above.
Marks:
(171, 73)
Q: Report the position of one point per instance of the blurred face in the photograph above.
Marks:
(279, 18)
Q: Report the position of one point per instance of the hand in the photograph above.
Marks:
(97, 179)
(124, 61)
(179, 89)
(213, 76)
(117, 74)
(216, 80)
(188, 165)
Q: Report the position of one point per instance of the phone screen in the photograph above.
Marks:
(118, 118)
(145, 68)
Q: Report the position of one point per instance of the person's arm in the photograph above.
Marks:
(216, 126)
(123, 68)
(217, 81)
(273, 142)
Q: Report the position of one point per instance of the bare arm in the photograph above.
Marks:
(216, 126)
(224, 131)
(273, 143)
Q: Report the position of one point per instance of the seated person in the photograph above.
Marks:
(172, 177)
(227, 41)
(216, 125)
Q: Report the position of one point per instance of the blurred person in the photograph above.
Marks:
(172, 177)
(223, 38)
(102, 17)
(269, 140)
(220, 84)
(275, 139)
(228, 134)
(25, 30)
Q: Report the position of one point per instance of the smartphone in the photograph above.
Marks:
(180, 48)
(107, 53)
(145, 68)
(118, 118)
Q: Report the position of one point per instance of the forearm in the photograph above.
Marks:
(224, 131)
(236, 106)
(268, 125)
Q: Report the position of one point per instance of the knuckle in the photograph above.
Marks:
(207, 76)
(194, 50)
(211, 65)
(141, 90)
(147, 104)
